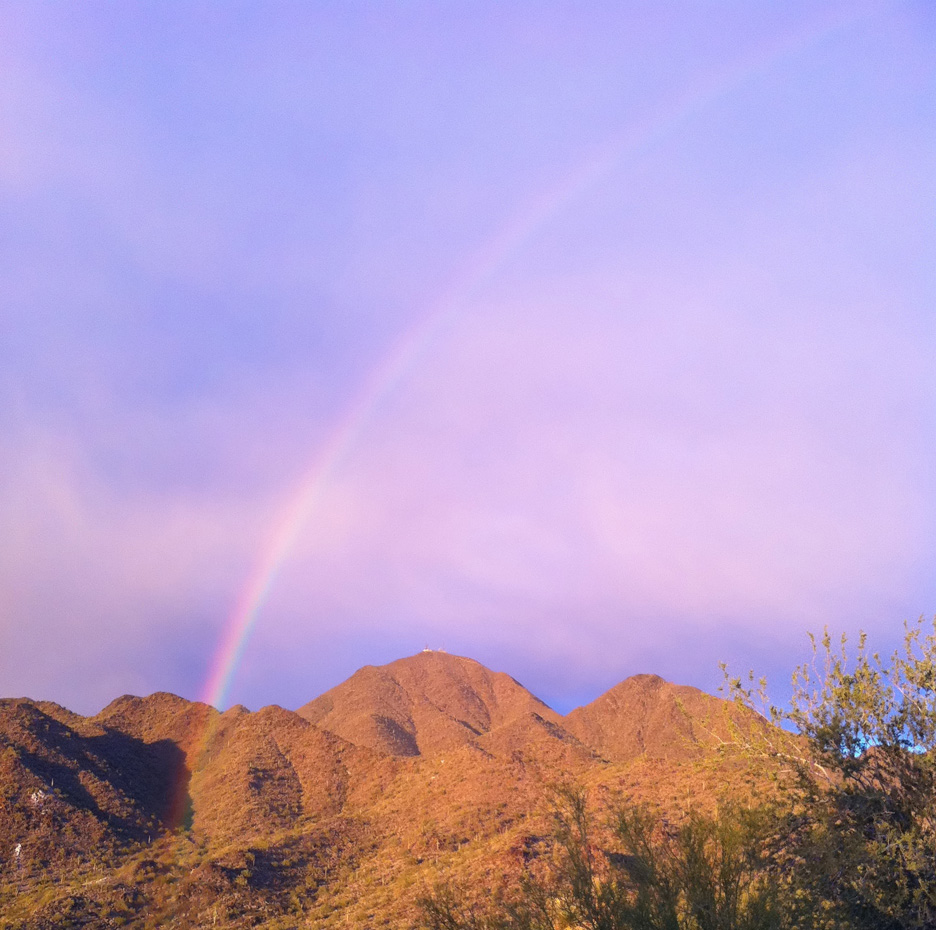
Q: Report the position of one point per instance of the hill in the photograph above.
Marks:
(647, 716)
(427, 703)
(160, 811)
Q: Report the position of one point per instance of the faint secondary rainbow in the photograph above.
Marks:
(488, 259)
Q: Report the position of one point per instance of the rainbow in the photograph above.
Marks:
(485, 262)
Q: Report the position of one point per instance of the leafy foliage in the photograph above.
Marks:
(709, 873)
(862, 802)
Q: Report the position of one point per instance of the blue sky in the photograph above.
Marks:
(623, 314)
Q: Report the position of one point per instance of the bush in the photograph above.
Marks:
(862, 798)
(710, 873)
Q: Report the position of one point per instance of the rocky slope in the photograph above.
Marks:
(163, 811)
(647, 716)
(427, 703)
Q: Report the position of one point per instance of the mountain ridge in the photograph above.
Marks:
(428, 766)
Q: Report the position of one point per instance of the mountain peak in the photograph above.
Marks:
(647, 715)
(422, 704)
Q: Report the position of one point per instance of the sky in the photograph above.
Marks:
(584, 339)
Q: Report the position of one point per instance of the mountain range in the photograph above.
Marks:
(159, 811)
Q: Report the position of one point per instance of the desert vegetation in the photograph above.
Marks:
(842, 837)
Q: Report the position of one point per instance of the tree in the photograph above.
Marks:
(861, 815)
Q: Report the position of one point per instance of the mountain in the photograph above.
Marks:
(163, 811)
(424, 704)
(647, 716)
(434, 702)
